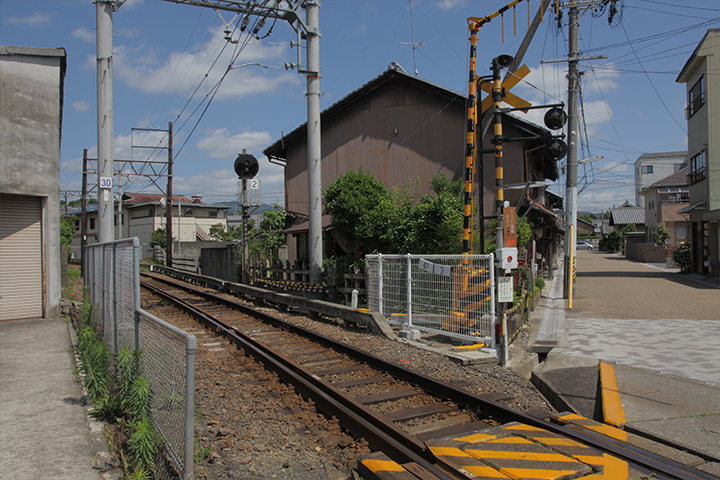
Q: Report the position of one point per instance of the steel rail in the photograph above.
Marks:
(328, 398)
(643, 460)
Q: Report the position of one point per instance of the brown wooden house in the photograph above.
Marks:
(399, 127)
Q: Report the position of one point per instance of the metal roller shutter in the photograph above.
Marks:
(21, 279)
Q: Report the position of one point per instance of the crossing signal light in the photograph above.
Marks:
(555, 118)
(555, 149)
(246, 166)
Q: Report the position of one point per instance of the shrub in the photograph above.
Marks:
(682, 258)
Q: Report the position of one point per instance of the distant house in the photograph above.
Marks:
(651, 167)
(31, 112)
(585, 227)
(399, 127)
(663, 201)
(628, 214)
(142, 214)
(699, 74)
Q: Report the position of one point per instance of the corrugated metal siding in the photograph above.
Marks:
(21, 279)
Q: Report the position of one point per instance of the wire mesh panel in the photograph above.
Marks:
(448, 294)
(167, 353)
(168, 362)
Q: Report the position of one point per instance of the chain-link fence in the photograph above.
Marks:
(453, 295)
(168, 353)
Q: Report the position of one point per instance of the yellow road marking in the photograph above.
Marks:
(475, 438)
(606, 430)
(484, 472)
(534, 473)
(613, 469)
(382, 465)
(532, 456)
(613, 411)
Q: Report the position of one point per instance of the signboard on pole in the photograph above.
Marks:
(510, 227)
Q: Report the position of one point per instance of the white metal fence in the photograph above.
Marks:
(112, 276)
(452, 295)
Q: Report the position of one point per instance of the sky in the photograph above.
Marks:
(171, 63)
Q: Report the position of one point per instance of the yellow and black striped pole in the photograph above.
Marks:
(470, 146)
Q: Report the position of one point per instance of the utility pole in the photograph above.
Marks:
(573, 138)
(312, 73)
(169, 203)
(571, 178)
(104, 11)
(287, 10)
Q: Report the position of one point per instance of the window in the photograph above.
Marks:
(92, 223)
(697, 167)
(647, 169)
(696, 97)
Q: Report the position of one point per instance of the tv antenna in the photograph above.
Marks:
(413, 44)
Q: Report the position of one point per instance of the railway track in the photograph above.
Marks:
(414, 424)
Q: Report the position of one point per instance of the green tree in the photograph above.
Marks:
(588, 217)
(67, 230)
(225, 233)
(661, 235)
(361, 209)
(159, 238)
(266, 241)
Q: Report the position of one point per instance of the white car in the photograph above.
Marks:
(583, 245)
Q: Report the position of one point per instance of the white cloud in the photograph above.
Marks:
(34, 20)
(450, 4)
(220, 144)
(74, 165)
(84, 34)
(149, 70)
(81, 106)
(221, 185)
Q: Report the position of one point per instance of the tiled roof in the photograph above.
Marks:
(680, 178)
(626, 215)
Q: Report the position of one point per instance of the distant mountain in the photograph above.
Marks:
(235, 207)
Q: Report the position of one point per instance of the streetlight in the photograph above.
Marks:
(590, 160)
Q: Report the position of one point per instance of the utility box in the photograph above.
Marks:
(507, 258)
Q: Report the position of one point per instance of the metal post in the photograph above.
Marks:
(499, 192)
(114, 298)
(571, 178)
(169, 203)
(83, 217)
(492, 297)
(190, 348)
(315, 241)
(380, 283)
(105, 120)
(409, 292)
(470, 149)
(245, 240)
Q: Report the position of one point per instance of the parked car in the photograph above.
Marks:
(583, 245)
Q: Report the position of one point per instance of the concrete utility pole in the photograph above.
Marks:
(572, 142)
(287, 10)
(573, 138)
(104, 11)
(312, 8)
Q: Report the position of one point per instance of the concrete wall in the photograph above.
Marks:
(219, 262)
(646, 252)
(31, 86)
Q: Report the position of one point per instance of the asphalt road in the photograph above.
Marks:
(611, 286)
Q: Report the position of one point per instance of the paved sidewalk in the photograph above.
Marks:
(668, 369)
(44, 430)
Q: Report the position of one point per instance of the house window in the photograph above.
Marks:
(92, 223)
(647, 169)
(213, 213)
(696, 97)
(697, 167)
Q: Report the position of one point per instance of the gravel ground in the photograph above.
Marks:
(248, 425)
